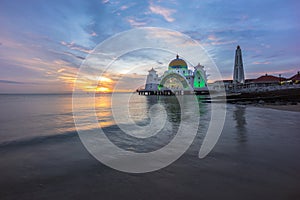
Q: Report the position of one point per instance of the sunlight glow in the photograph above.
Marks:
(102, 89)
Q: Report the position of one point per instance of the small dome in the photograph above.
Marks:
(177, 64)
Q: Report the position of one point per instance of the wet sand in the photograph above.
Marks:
(293, 108)
(287, 100)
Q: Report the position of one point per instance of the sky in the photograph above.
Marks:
(43, 43)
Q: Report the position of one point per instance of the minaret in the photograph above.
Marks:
(152, 80)
(238, 74)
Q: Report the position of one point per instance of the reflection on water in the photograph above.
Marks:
(239, 117)
(137, 108)
(104, 114)
(28, 116)
(140, 108)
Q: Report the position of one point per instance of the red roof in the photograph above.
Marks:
(269, 79)
(295, 77)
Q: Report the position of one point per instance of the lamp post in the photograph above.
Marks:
(280, 79)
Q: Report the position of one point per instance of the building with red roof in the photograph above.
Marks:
(269, 79)
(295, 78)
(262, 83)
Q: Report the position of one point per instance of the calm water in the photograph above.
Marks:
(257, 154)
(25, 117)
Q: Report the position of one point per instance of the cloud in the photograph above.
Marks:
(224, 42)
(261, 63)
(14, 82)
(10, 82)
(94, 34)
(124, 7)
(134, 23)
(69, 56)
(119, 82)
(105, 1)
(285, 73)
(212, 38)
(61, 70)
(219, 25)
(76, 47)
(165, 12)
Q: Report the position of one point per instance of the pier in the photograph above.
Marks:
(170, 92)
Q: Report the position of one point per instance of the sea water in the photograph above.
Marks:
(257, 154)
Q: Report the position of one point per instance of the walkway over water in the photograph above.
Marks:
(171, 92)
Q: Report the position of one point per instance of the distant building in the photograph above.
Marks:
(177, 79)
(295, 79)
(238, 73)
(262, 83)
(268, 80)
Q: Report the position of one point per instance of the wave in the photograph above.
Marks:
(113, 132)
(37, 139)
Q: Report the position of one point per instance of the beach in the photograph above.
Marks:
(256, 157)
(61, 168)
(287, 99)
(146, 100)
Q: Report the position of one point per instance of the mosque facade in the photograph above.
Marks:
(178, 79)
(181, 79)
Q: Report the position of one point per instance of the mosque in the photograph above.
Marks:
(178, 79)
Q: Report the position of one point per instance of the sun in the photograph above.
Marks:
(102, 89)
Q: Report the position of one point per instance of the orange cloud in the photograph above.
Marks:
(76, 47)
(60, 70)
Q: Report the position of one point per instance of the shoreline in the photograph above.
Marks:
(287, 100)
(291, 108)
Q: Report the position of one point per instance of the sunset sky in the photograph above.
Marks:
(43, 43)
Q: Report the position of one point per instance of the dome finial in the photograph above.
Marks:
(177, 56)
